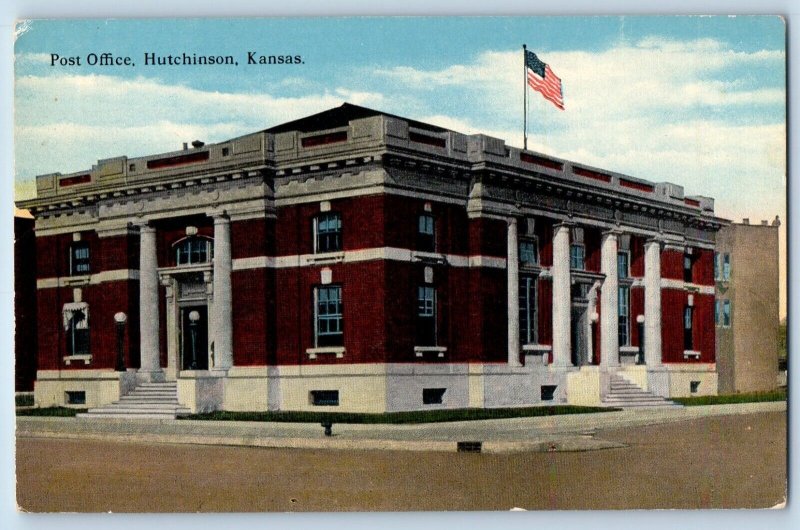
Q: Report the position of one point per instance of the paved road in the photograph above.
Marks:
(710, 462)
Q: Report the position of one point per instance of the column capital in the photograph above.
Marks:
(616, 232)
(565, 224)
(220, 216)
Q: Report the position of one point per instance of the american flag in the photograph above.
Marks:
(542, 79)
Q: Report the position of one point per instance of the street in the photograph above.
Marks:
(736, 461)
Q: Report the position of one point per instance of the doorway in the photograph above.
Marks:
(194, 337)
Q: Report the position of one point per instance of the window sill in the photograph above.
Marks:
(419, 351)
(335, 350)
(325, 257)
(87, 359)
(691, 354)
(428, 257)
(629, 350)
(537, 348)
(82, 279)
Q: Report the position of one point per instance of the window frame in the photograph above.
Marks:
(426, 242)
(534, 242)
(688, 328)
(688, 272)
(528, 325)
(76, 262)
(726, 267)
(190, 241)
(426, 316)
(77, 339)
(582, 248)
(323, 339)
(727, 314)
(319, 235)
(627, 255)
(624, 318)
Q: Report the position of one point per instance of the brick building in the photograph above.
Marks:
(746, 315)
(366, 262)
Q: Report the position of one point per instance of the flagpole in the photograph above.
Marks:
(524, 99)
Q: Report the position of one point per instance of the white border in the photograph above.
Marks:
(13, 9)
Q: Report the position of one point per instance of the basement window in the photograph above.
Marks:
(433, 396)
(325, 398)
(548, 391)
(76, 397)
(694, 386)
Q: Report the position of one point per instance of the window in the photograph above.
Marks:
(687, 268)
(328, 316)
(716, 312)
(193, 250)
(726, 313)
(327, 232)
(577, 257)
(79, 259)
(528, 314)
(547, 392)
(726, 267)
(623, 264)
(688, 341)
(324, 398)
(694, 387)
(529, 252)
(433, 396)
(624, 315)
(426, 316)
(426, 235)
(717, 258)
(76, 397)
(76, 326)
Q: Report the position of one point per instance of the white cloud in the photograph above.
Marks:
(65, 123)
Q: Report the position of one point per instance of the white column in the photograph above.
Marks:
(562, 298)
(609, 302)
(652, 303)
(148, 305)
(222, 319)
(512, 268)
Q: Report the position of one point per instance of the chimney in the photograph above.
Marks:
(185, 146)
(746, 221)
(764, 222)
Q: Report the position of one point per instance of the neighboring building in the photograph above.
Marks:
(364, 261)
(24, 302)
(746, 273)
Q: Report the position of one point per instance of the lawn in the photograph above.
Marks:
(423, 416)
(752, 397)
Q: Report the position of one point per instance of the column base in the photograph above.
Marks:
(150, 376)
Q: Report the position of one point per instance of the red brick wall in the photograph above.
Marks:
(703, 267)
(592, 239)
(637, 257)
(637, 308)
(545, 311)
(252, 238)
(544, 232)
(673, 302)
(253, 317)
(672, 264)
(487, 237)
(363, 306)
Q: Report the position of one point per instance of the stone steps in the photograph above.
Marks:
(147, 400)
(624, 394)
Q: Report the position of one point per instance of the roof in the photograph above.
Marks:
(340, 117)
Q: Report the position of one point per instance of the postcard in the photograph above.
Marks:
(400, 264)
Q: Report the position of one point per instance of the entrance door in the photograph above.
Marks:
(194, 338)
(580, 348)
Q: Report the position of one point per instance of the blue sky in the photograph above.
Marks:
(699, 101)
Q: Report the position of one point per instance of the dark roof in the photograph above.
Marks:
(341, 116)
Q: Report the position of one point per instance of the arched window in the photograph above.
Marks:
(194, 249)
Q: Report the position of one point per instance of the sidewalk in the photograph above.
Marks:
(548, 433)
